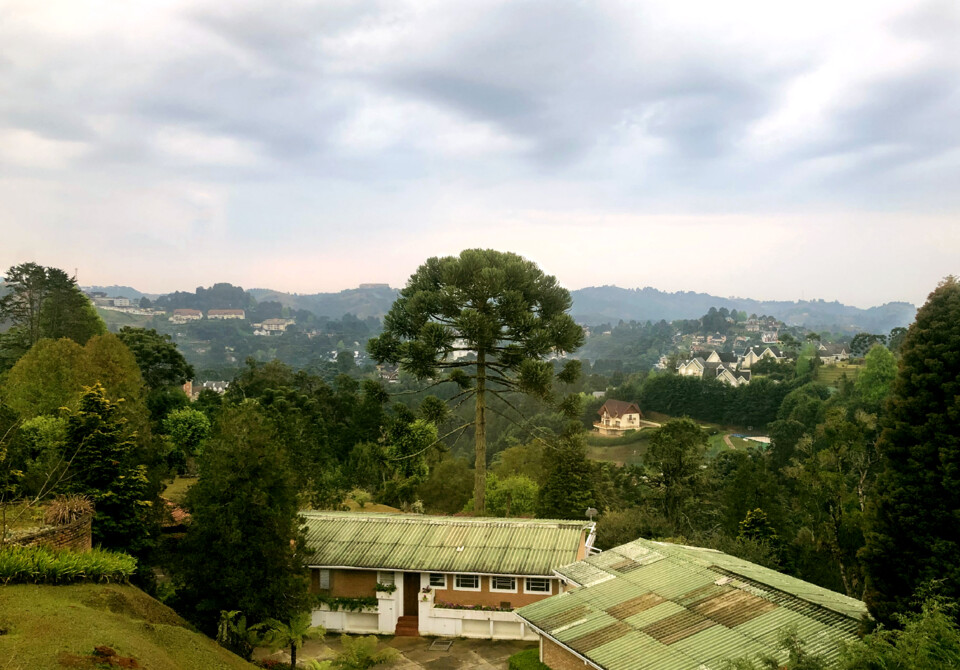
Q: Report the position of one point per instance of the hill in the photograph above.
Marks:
(608, 304)
(120, 291)
(55, 627)
(374, 300)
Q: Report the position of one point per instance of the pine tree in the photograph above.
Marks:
(570, 487)
(913, 537)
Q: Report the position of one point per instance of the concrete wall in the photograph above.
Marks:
(75, 536)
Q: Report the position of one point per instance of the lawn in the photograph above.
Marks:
(625, 450)
(48, 627)
(177, 489)
(830, 375)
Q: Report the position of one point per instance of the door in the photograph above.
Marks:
(411, 587)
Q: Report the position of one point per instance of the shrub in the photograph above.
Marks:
(67, 509)
(526, 660)
(40, 565)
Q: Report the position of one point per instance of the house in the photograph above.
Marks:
(832, 353)
(184, 315)
(658, 605)
(226, 314)
(617, 416)
(754, 354)
(272, 326)
(770, 337)
(433, 575)
(722, 365)
(716, 339)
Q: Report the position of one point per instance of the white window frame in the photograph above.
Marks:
(442, 577)
(457, 587)
(526, 585)
(323, 573)
(494, 589)
(386, 578)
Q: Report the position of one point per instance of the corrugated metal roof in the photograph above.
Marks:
(688, 608)
(441, 543)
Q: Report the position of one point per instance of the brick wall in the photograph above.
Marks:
(75, 536)
(558, 658)
(491, 598)
(346, 583)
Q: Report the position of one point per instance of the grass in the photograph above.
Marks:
(176, 490)
(830, 375)
(625, 450)
(51, 627)
(117, 320)
(42, 565)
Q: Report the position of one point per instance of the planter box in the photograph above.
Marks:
(477, 615)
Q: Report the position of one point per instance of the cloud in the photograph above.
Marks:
(431, 118)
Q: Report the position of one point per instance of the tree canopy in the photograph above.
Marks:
(484, 320)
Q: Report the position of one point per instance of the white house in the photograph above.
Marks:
(617, 417)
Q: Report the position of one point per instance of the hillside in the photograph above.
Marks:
(55, 627)
(361, 302)
(609, 304)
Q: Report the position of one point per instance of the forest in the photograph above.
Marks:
(854, 492)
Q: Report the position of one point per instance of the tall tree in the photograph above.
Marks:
(244, 528)
(676, 452)
(879, 371)
(913, 537)
(160, 362)
(496, 309)
(570, 487)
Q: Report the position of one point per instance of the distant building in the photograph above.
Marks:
(617, 417)
(226, 314)
(832, 353)
(121, 302)
(185, 315)
(273, 326)
(374, 285)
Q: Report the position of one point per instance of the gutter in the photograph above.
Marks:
(583, 658)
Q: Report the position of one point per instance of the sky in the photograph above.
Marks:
(740, 148)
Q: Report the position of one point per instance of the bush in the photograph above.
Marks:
(526, 660)
(40, 565)
(67, 509)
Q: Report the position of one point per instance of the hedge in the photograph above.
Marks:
(527, 660)
(40, 565)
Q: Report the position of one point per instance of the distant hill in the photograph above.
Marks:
(120, 291)
(609, 304)
(368, 300)
(59, 627)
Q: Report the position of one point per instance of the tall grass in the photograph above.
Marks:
(40, 565)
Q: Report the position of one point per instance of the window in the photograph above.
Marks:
(536, 585)
(324, 579)
(466, 582)
(385, 578)
(438, 581)
(508, 584)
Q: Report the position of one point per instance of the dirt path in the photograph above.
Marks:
(726, 438)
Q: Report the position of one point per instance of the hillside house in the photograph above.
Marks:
(722, 365)
(660, 605)
(832, 353)
(436, 574)
(617, 417)
(185, 315)
(272, 326)
(226, 314)
(754, 354)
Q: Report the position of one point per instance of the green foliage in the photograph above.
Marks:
(50, 376)
(234, 634)
(674, 459)
(879, 371)
(244, 528)
(616, 527)
(526, 660)
(41, 565)
(498, 306)
(337, 603)
(188, 429)
(448, 487)
(359, 653)
(863, 342)
(756, 526)
(912, 536)
(570, 487)
(928, 640)
(158, 358)
(292, 633)
(513, 496)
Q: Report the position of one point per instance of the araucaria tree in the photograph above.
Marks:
(484, 320)
(913, 537)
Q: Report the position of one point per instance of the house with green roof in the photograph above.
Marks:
(436, 575)
(661, 606)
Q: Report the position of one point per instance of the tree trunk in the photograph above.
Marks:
(293, 656)
(480, 481)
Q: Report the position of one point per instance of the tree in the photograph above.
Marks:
(50, 376)
(879, 371)
(244, 526)
(913, 537)
(44, 303)
(499, 310)
(188, 429)
(359, 653)
(160, 362)
(862, 342)
(676, 452)
(234, 634)
(570, 487)
(895, 338)
(513, 496)
(293, 633)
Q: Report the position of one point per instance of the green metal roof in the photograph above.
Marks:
(442, 543)
(665, 606)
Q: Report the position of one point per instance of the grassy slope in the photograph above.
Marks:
(46, 625)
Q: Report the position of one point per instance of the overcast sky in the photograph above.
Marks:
(759, 149)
